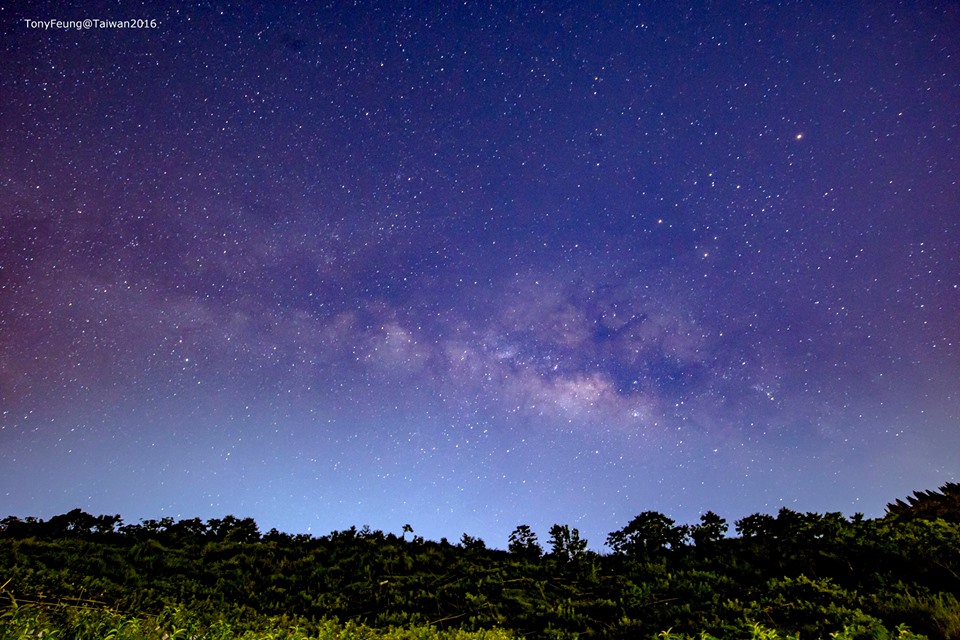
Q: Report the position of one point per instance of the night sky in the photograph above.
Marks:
(469, 266)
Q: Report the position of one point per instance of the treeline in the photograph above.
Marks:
(816, 575)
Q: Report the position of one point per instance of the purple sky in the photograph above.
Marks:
(478, 266)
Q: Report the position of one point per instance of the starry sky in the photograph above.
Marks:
(473, 265)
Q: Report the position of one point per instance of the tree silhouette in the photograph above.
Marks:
(929, 505)
(565, 543)
(710, 530)
(757, 525)
(523, 542)
(647, 534)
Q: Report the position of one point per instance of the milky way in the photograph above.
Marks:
(478, 266)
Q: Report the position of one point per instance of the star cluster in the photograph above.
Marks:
(473, 266)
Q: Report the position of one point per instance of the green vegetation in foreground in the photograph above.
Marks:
(792, 575)
(63, 622)
(66, 622)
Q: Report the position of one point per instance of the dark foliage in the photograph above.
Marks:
(807, 573)
(929, 505)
